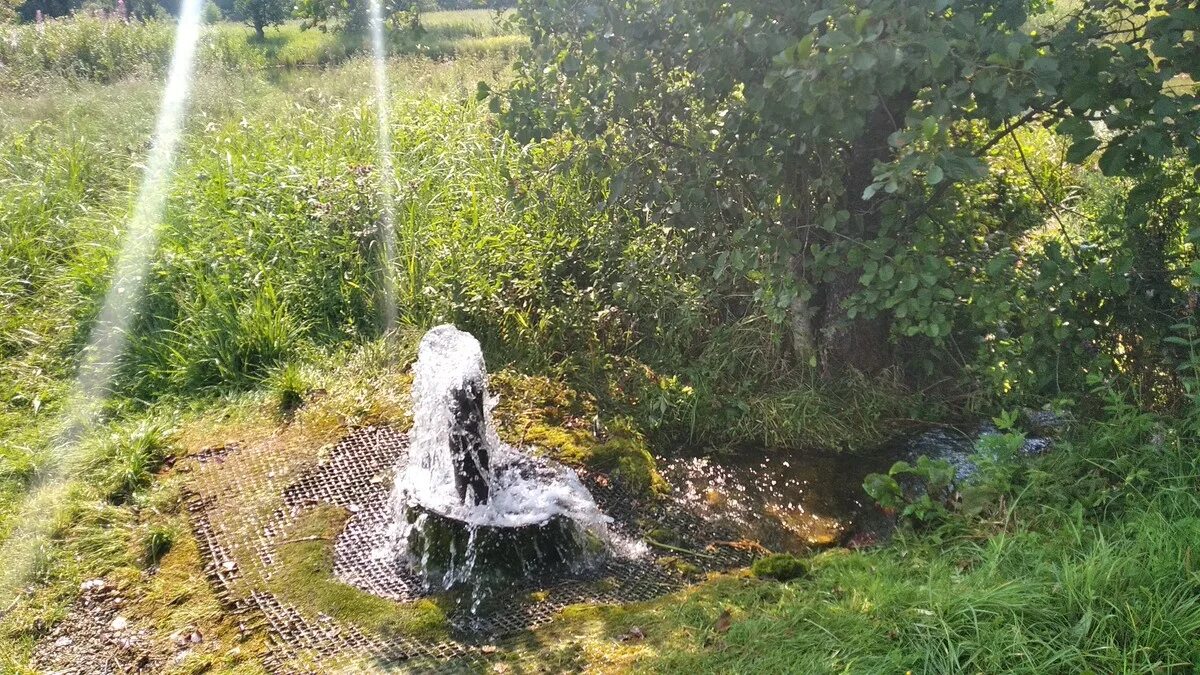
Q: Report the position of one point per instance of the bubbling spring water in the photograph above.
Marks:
(470, 510)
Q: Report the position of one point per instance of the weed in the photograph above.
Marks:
(288, 388)
(157, 541)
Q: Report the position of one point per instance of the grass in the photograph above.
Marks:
(85, 48)
(1053, 582)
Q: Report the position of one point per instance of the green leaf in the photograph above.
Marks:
(938, 48)
(935, 175)
(929, 127)
(864, 61)
(1114, 158)
(1081, 150)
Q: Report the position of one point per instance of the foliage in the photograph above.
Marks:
(929, 491)
(212, 12)
(918, 492)
(288, 388)
(8, 11)
(848, 163)
(126, 462)
(998, 469)
(780, 567)
(157, 542)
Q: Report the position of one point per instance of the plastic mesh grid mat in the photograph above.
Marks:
(357, 474)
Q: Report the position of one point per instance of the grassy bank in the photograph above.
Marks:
(1088, 566)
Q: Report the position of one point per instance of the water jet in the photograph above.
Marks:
(473, 512)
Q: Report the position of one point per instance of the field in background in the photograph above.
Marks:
(102, 50)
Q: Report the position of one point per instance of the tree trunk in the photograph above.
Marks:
(859, 343)
(258, 30)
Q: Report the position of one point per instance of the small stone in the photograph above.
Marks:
(229, 566)
(195, 638)
(489, 649)
(724, 622)
(635, 634)
(118, 624)
(92, 585)
(63, 641)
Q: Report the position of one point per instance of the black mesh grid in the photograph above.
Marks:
(357, 474)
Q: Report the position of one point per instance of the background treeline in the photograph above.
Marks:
(27, 10)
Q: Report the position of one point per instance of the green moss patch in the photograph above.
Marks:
(780, 566)
(305, 578)
(624, 458)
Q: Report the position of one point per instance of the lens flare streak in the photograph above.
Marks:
(387, 224)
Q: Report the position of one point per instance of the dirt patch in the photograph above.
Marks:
(98, 638)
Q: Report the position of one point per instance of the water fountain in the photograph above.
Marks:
(471, 511)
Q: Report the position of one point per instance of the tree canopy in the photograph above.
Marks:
(841, 156)
(263, 13)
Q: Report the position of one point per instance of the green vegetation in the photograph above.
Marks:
(898, 182)
(1091, 567)
(678, 223)
(780, 567)
(105, 50)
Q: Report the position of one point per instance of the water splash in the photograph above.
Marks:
(387, 180)
(524, 515)
(100, 357)
(524, 490)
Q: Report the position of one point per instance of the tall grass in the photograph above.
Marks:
(269, 242)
